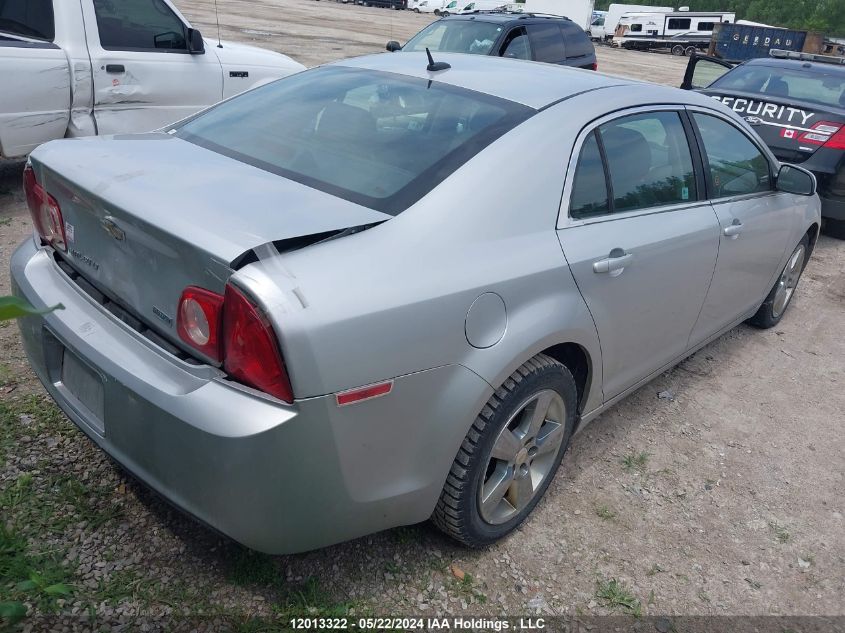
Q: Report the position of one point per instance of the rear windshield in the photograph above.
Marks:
(456, 36)
(30, 18)
(813, 86)
(377, 139)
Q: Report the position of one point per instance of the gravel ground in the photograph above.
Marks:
(722, 496)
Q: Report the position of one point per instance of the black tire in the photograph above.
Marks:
(690, 51)
(769, 315)
(834, 228)
(458, 512)
(678, 50)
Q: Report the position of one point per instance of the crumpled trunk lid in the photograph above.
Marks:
(148, 215)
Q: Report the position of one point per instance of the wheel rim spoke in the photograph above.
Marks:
(494, 489)
(507, 446)
(521, 491)
(538, 415)
(550, 438)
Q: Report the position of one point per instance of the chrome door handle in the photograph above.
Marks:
(614, 263)
(733, 230)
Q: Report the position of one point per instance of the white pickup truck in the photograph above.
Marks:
(85, 67)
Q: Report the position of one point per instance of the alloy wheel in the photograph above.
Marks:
(522, 456)
(788, 281)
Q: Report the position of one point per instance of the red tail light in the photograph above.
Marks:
(198, 321)
(595, 65)
(823, 133)
(837, 141)
(250, 348)
(232, 329)
(45, 211)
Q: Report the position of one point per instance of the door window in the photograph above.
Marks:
(589, 191)
(736, 165)
(516, 45)
(547, 42)
(139, 25)
(649, 161)
(29, 18)
(636, 28)
(705, 72)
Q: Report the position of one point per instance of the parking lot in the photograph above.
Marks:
(716, 489)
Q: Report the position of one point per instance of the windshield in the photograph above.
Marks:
(377, 139)
(456, 36)
(815, 86)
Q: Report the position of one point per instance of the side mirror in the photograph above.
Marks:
(195, 44)
(393, 46)
(797, 180)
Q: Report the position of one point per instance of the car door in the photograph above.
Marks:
(34, 77)
(755, 221)
(702, 71)
(640, 238)
(144, 76)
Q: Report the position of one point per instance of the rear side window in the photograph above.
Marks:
(29, 18)
(547, 41)
(589, 191)
(737, 166)
(139, 25)
(706, 26)
(649, 161)
(636, 28)
(679, 23)
(377, 139)
(576, 41)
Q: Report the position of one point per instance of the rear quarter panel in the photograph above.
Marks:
(394, 300)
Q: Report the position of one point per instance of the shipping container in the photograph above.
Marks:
(738, 42)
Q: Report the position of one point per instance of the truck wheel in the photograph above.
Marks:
(510, 455)
(834, 228)
(773, 308)
(690, 51)
(677, 50)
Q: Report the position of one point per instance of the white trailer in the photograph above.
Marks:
(615, 11)
(680, 30)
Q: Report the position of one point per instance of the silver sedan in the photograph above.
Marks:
(385, 290)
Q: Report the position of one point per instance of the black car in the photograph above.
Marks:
(552, 39)
(796, 103)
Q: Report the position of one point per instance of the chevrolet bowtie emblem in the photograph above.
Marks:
(113, 229)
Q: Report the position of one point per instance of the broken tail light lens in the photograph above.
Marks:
(250, 349)
(45, 211)
(233, 330)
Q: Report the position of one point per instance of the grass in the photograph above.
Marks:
(635, 462)
(615, 594)
(465, 587)
(311, 599)
(252, 568)
(781, 533)
(605, 513)
(655, 569)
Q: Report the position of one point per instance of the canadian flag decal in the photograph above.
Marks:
(787, 133)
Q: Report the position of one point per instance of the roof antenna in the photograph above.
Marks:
(217, 15)
(432, 65)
